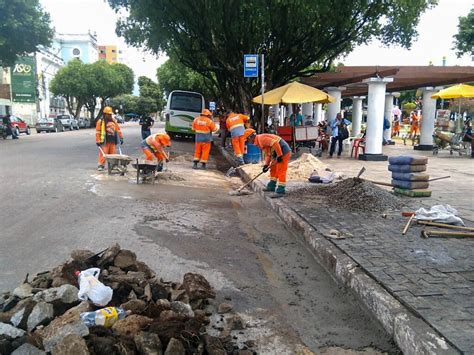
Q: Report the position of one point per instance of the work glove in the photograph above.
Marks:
(280, 159)
(98, 144)
(167, 160)
(121, 141)
(265, 168)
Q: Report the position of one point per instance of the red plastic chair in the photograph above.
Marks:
(358, 143)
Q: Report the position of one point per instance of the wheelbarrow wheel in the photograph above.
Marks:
(109, 168)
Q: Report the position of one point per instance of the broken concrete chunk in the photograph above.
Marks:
(197, 287)
(224, 308)
(28, 349)
(81, 255)
(182, 308)
(65, 294)
(131, 325)
(174, 347)
(9, 303)
(125, 259)
(10, 331)
(109, 255)
(135, 306)
(71, 344)
(235, 322)
(42, 314)
(23, 291)
(148, 343)
(214, 345)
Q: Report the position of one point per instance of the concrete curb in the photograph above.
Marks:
(411, 333)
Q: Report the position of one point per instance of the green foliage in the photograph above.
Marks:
(299, 37)
(408, 107)
(23, 27)
(407, 96)
(150, 89)
(464, 39)
(140, 105)
(173, 75)
(91, 83)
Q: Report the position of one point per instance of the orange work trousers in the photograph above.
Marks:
(108, 148)
(201, 151)
(278, 171)
(414, 130)
(150, 155)
(238, 143)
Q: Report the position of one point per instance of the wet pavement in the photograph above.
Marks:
(186, 222)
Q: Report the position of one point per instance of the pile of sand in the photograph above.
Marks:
(298, 170)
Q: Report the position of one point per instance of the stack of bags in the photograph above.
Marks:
(408, 177)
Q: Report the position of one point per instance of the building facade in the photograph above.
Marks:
(110, 53)
(81, 46)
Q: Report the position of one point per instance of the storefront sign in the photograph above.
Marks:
(23, 80)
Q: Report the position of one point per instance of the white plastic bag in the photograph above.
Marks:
(439, 213)
(91, 288)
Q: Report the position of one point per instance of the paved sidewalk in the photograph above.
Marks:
(432, 277)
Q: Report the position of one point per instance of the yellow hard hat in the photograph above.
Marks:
(108, 110)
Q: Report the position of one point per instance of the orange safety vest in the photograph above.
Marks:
(236, 120)
(203, 124)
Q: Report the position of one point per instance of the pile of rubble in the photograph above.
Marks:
(353, 194)
(43, 315)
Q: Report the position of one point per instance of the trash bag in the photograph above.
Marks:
(439, 213)
(91, 288)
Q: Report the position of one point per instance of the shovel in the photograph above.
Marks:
(239, 191)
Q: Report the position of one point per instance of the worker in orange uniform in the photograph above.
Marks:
(107, 135)
(236, 125)
(154, 147)
(273, 147)
(414, 126)
(204, 126)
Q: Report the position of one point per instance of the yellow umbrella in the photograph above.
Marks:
(455, 92)
(294, 93)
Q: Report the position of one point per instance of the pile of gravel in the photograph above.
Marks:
(354, 195)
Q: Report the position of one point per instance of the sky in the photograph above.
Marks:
(436, 29)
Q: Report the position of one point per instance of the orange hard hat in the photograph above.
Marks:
(108, 110)
(249, 132)
(206, 112)
(165, 140)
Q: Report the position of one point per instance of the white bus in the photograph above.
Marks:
(181, 110)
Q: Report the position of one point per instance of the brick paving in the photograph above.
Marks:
(433, 277)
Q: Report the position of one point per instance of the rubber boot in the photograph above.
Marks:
(280, 192)
(271, 186)
(195, 164)
(100, 168)
(240, 161)
(203, 166)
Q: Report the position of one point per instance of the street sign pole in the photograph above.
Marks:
(263, 91)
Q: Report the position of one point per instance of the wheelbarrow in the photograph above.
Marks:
(117, 162)
(147, 170)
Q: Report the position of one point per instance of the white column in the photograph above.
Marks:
(428, 118)
(307, 109)
(356, 115)
(334, 107)
(375, 112)
(387, 133)
(318, 111)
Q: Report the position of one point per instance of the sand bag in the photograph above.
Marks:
(407, 160)
(411, 185)
(406, 168)
(410, 176)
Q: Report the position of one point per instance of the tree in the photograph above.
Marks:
(464, 39)
(140, 105)
(150, 89)
(173, 75)
(23, 27)
(211, 37)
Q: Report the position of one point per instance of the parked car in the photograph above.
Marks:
(49, 124)
(69, 122)
(83, 122)
(18, 124)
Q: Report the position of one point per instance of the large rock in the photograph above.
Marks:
(66, 294)
(69, 323)
(175, 348)
(71, 344)
(20, 312)
(9, 303)
(23, 291)
(141, 266)
(125, 259)
(158, 291)
(197, 287)
(182, 308)
(214, 345)
(42, 314)
(224, 308)
(10, 331)
(82, 255)
(135, 306)
(109, 255)
(131, 325)
(148, 343)
(28, 349)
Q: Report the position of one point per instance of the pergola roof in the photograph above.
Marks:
(405, 77)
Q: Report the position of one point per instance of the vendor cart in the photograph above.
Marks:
(299, 136)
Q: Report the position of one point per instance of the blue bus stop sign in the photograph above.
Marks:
(250, 66)
(212, 105)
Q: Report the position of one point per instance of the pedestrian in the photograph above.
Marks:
(296, 119)
(146, 122)
(153, 147)
(468, 136)
(386, 125)
(236, 125)
(203, 126)
(107, 135)
(414, 126)
(396, 126)
(223, 129)
(339, 134)
(277, 155)
(7, 124)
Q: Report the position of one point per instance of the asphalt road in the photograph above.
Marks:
(53, 200)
